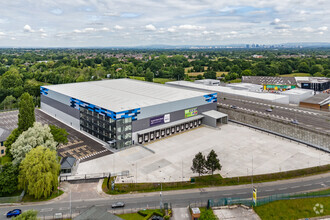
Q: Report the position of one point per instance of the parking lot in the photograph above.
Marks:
(239, 149)
(79, 146)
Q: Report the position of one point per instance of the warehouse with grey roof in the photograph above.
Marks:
(123, 112)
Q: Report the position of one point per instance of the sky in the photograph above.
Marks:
(112, 23)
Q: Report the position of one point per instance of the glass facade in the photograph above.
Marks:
(118, 133)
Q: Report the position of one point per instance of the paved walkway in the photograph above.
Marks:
(181, 214)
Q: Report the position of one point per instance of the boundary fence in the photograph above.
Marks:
(264, 200)
(12, 199)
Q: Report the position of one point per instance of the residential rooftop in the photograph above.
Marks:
(124, 94)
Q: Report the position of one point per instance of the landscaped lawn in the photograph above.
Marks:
(131, 216)
(294, 208)
(28, 198)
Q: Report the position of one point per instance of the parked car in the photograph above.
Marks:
(14, 213)
(233, 106)
(118, 205)
(269, 110)
(295, 122)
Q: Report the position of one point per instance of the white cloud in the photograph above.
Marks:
(307, 29)
(43, 35)
(27, 28)
(324, 28)
(171, 29)
(118, 27)
(150, 27)
(41, 30)
(190, 27)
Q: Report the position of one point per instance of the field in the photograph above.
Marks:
(295, 75)
(294, 209)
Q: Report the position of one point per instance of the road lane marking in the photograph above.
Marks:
(308, 185)
(269, 190)
(64, 208)
(46, 210)
(240, 193)
(227, 194)
(292, 187)
(282, 188)
(81, 207)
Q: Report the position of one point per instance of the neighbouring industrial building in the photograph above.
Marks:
(123, 112)
(320, 101)
(3, 137)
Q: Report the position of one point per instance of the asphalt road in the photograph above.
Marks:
(306, 118)
(181, 198)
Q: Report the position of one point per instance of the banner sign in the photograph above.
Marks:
(160, 120)
(190, 112)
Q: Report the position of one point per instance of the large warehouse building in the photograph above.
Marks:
(123, 112)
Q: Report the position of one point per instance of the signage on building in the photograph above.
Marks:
(190, 112)
(160, 120)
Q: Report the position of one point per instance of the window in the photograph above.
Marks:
(2, 151)
(1, 143)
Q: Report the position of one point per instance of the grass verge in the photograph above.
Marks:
(209, 180)
(294, 208)
(207, 214)
(28, 198)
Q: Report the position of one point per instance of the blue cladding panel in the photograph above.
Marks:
(210, 98)
(43, 90)
(76, 103)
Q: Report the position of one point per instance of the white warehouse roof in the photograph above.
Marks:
(231, 90)
(123, 94)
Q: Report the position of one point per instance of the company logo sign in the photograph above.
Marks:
(160, 120)
(190, 112)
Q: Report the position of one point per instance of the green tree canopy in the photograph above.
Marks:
(198, 165)
(149, 76)
(26, 116)
(60, 135)
(210, 75)
(39, 172)
(27, 215)
(8, 103)
(303, 67)
(316, 69)
(38, 135)
(10, 140)
(11, 79)
(8, 179)
(212, 162)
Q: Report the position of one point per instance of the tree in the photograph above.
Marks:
(303, 67)
(316, 68)
(26, 116)
(149, 76)
(10, 140)
(27, 215)
(210, 75)
(8, 179)
(38, 135)
(8, 103)
(39, 171)
(199, 76)
(212, 162)
(11, 79)
(199, 164)
(60, 135)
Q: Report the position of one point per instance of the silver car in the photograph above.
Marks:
(118, 205)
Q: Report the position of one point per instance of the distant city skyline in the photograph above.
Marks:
(97, 23)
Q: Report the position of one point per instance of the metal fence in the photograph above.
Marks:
(12, 199)
(265, 200)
